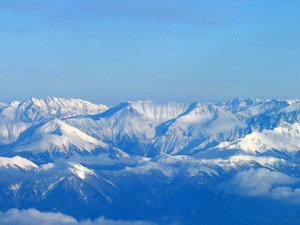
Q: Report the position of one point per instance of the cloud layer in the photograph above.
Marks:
(35, 217)
(265, 183)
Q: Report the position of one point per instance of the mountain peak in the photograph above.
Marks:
(51, 107)
(17, 162)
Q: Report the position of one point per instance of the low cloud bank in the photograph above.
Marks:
(35, 217)
(265, 183)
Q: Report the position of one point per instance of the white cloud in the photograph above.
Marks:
(264, 182)
(104, 159)
(32, 217)
(35, 217)
(287, 193)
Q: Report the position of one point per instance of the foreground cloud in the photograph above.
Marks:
(267, 183)
(35, 217)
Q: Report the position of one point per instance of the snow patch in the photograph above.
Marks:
(79, 170)
(17, 162)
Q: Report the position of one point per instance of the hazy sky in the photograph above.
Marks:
(164, 50)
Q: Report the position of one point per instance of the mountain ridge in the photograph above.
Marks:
(138, 159)
(145, 126)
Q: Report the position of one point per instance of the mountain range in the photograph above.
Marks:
(167, 163)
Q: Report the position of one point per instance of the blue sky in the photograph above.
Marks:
(169, 50)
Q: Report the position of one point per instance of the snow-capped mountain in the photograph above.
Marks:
(17, 162)
(142, 128)
(54, 139)
(285, 138)
(16, 117)
(142, 160)
(67, 126)
(149, 129)
(42, 109)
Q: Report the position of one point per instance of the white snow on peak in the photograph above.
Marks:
(15, 104)
(150, 128)
(17, 162)
(51, 107)
(79, 170)
(56, 135)
(292, 101)
(18, 116)
(159, 112)
(285, 137)
(207, 120)
(134, 119)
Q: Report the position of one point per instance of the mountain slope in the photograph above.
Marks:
(285, 138)
(17, 162)
(145, 128)
(16, 117)
(174, 163)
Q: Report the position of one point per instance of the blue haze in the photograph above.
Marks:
(114, 51)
